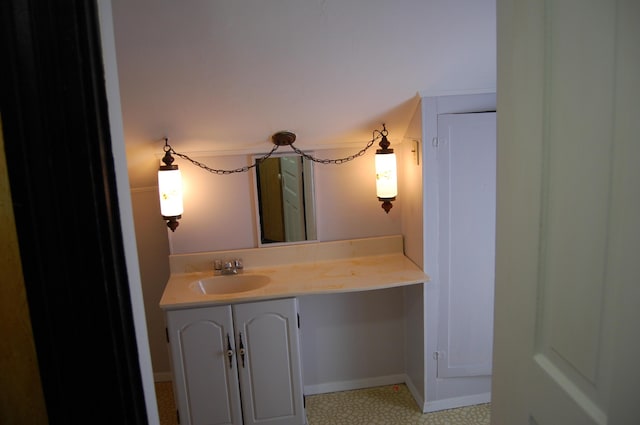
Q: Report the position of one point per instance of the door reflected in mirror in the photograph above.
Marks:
(286, 204)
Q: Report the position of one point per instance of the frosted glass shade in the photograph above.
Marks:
(386, 176)
(170, 189)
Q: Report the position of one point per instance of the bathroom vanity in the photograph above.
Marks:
(235, 350)
(236, 364)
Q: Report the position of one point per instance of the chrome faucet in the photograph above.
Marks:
(228, 267)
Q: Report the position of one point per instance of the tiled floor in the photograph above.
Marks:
(387, 405)
(166, 403)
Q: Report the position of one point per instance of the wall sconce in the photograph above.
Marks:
(170, 180)
(386, 173)
(170, 189)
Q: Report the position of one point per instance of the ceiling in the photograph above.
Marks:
(223, 75)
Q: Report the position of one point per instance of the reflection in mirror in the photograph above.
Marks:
(286, 205)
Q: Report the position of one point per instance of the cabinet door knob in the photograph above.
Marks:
(242, 350)
(229, 352)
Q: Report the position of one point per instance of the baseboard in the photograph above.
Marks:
(162, 376)
(414, 391)
(454, 402)
(356, 384)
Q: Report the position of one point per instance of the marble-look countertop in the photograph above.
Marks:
(312, 275)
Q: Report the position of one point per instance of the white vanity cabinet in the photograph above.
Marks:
(237, 364)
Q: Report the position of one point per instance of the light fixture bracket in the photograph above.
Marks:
(283, 138)
(386, 203)
(384, 142)
(172, 221)
(168, 160)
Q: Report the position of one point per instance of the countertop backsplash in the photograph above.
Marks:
(289, 254)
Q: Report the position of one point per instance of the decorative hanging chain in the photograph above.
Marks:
(338, 160)
(376, 135)
(215, 171)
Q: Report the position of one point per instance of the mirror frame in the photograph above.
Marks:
(309, 199)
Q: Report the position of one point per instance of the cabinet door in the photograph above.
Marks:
(270, 370)
(467, 179)
(205, 378)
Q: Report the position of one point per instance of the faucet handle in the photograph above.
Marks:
(237, 263)
(217, 265)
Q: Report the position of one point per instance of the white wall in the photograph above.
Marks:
(220, 211)
(226, 74)
(153, 251)
(410, 180)
(352, 340)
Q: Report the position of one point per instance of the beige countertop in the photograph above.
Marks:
(314, 274)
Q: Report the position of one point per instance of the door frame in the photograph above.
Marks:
(62, 175)
(443, 394)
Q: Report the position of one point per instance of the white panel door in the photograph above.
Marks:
(467, 195)
(567, 345)
(269, 363)
(293, 198)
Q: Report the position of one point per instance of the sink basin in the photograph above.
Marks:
(229, 284)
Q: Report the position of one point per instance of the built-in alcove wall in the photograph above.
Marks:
(347, 339)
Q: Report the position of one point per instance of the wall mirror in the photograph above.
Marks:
(285, 199)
